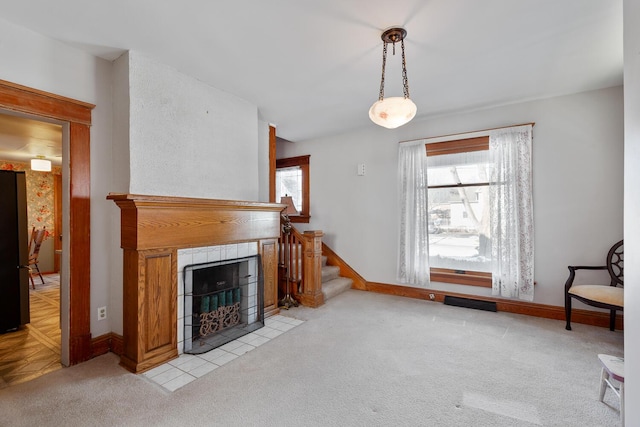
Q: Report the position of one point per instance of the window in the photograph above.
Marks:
(292, 179)
(458, 211)
(452, 178)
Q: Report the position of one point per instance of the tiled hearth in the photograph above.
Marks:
(188, 367)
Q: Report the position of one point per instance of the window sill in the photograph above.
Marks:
(300, 218)
(469, 278)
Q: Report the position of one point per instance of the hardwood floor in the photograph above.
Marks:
(34, 349)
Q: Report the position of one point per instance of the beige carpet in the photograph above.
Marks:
(361, 360)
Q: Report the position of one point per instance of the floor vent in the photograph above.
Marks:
(470, 303)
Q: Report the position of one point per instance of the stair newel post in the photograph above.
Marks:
(312, 290)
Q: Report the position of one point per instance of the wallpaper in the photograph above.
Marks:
(40, 194)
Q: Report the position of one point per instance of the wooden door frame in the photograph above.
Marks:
(77, 114)
(272, 163)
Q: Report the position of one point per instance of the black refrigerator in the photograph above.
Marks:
(14, 255)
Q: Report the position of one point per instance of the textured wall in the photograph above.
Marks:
(189, 139)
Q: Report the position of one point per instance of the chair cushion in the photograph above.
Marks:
(604, 294)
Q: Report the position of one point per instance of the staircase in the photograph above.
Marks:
(332, 283)
(312, 281)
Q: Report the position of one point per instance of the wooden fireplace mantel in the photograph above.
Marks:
(153, 228)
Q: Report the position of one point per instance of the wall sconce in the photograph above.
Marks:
(40, 164)
(395, 111)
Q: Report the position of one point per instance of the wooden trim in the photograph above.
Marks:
(471, 278)
(467, 133)
(117, 344)
(269, 255)
(109, 342)
(303, 163)
(290, 162)
(457, 146)
(57, 221)
(588, 317)
(345, 269)
(79, 243)
(272, 164)
(305, 191)
(300, 219)
(19, 98)
(101, 345)
(153, 228)
(151, 222)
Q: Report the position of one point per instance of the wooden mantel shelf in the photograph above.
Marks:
(150, 222)
(153, 228)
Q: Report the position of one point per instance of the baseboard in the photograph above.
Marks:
(587, 317)
(110, 342)
(345, 269)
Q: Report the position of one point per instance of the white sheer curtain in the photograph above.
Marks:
(413, 254)
(512, 212)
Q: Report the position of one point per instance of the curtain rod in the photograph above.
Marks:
(467, 133)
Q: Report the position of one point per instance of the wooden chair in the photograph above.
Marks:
(610, 297)
(37, 236)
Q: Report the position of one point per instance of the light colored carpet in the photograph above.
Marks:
(362, 359)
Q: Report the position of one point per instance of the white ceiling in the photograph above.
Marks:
(313, 67)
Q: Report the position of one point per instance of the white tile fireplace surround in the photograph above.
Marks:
(203, 255)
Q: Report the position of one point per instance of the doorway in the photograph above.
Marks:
(34, 349)
(75, 117)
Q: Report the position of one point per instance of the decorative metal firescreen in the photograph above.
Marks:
(223, 301)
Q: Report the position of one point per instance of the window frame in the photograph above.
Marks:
(303, 163)
(445, 275)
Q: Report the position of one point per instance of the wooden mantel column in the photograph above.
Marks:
(153, 228)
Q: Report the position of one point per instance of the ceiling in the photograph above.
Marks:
(313, 67)
(22, 139)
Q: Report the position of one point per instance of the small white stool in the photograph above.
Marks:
(612, 367)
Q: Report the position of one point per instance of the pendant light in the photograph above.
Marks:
(395, 111)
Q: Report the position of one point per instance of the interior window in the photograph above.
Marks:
(292, 179)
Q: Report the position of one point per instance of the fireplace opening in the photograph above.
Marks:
(223, 301)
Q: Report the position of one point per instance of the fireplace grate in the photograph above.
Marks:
(223, 301)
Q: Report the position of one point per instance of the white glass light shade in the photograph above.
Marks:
(392, 112)
(41, 165)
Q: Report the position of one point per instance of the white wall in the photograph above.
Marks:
(38, 62)
(632, 209)
(187, 138)
(577, 156)
(119, 184)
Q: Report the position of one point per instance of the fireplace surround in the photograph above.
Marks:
(222, 302)
(154, 230)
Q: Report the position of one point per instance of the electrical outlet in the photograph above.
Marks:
(432, 297)
(102, 313)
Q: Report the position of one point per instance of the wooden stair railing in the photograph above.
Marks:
(305, 277)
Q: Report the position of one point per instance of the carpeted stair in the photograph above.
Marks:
(332, 283)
